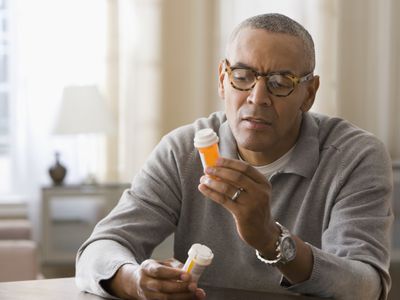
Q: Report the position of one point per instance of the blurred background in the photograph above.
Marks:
(88, 88)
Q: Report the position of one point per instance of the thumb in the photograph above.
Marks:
(172, 262)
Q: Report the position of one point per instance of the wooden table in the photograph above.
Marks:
(65, 288)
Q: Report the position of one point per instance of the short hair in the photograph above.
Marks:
(279, 23)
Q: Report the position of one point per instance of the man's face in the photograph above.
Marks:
(266, 126)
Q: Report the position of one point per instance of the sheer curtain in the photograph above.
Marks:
(139, 86)
(168, 71)
(368, 90)
(57, 43)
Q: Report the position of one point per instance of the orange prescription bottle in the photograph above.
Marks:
(206, 141)
(200, 256)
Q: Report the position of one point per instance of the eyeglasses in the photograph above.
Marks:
(278, 84)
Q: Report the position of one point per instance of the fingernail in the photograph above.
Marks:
(185, 277)
(219, 161)
(205, 180)
(210, 170)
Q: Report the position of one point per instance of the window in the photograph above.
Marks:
(36, 62)
(5, 84)
(4, 79)
(4, 126)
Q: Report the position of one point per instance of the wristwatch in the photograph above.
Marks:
(285, 247)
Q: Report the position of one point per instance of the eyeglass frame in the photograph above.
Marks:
(295, 80)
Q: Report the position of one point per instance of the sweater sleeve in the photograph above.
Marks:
(354, 258)
(145, 215)
(352, 279)
(93, 268)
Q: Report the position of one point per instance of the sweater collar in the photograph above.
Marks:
(227, 144)
(305, 155)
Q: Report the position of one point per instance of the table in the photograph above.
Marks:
(65, 288)
(69, 215)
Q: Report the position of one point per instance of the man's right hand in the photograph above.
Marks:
(153, 280)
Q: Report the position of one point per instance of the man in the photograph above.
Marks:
(327, 182)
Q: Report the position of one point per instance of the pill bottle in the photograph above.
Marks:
(206, 141)
(200, 256)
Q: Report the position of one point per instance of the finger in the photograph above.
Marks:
(164, 289)
(172, 262)
(215, 196)
(225, 189)
(168, 286)
(242, 167)
(235, 178)
(154, 269)
(200, 294)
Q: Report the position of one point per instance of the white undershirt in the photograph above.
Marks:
(277, 165)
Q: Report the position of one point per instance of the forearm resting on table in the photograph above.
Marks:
(301, 267)
(99, 261)
(122, 279)
(336, 277)
(297, 270)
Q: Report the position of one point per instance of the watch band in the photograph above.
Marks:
(280, 259)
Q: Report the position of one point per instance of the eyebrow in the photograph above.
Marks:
(240, 65)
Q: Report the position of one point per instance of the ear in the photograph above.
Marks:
(312, 88)
(221, 77)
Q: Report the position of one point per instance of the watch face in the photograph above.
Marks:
(288, 248)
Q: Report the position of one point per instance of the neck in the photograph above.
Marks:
(258, 158)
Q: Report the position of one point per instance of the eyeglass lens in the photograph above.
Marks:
(277, 84)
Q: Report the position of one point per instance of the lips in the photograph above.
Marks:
(256, 120)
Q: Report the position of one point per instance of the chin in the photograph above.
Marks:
(254, 144)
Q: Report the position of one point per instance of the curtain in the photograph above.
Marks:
(139, 76)
(168, 72)
(54, 45)
(368, 67)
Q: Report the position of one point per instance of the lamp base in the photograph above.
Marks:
(57, 172)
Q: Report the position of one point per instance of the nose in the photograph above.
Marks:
(259, 94)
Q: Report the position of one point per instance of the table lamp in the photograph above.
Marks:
(84, 112)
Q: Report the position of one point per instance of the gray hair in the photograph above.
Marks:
(279, 23)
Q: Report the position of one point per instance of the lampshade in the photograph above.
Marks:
(83, 110)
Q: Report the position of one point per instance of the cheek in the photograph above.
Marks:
(233, 101)
(287, 115)
(290, 107)
(231, 111)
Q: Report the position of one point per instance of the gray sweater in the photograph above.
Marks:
(334, 193)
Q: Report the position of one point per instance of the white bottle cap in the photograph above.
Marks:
(205, 138)
(201, 254)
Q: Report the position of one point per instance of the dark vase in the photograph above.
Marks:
(57, 171)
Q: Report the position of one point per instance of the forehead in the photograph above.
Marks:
(267, 51)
